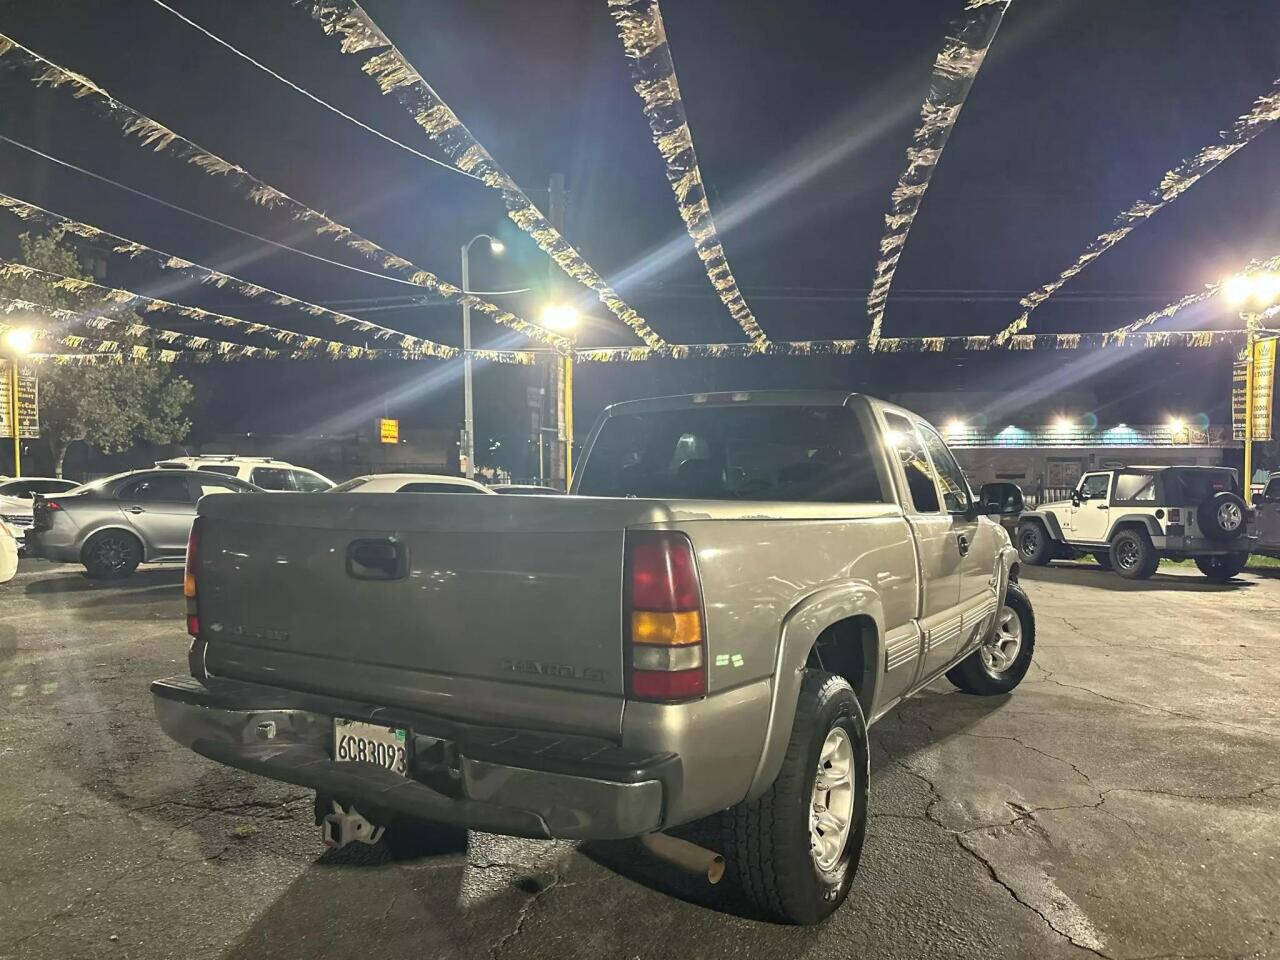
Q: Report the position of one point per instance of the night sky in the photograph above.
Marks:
(800, 113)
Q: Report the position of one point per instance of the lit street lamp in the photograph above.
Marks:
(564, 318)
(468, 407)
(1251, 294)
(17, 342)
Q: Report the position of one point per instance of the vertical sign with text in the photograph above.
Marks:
(28, 402)
(1264, 378)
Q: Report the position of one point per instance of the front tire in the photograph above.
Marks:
(1223, 567)
(1134, 555)
(111, 555)
(1034, 545)
(795, 849)
(1000, 663)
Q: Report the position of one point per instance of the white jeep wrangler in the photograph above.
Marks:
(1130, 518)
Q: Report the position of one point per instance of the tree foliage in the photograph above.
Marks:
(110, 407)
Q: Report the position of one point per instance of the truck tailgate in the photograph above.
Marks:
(506, 610)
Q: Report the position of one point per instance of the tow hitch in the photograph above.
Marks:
(342, 827)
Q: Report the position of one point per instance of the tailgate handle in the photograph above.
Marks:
(384, 558)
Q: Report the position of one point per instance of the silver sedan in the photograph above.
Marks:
(113, 525)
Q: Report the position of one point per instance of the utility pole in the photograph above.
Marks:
(559, 372)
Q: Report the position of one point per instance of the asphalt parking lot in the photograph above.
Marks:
(1124, 802)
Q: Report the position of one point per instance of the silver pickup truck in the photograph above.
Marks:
(740, 585)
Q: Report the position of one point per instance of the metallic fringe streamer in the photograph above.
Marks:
(653, 74)
(1264, 112)
(48, 220)
(1210, 291)
(954, 70)
(160, 138)
(357, 33)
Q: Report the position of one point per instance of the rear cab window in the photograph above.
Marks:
(1189, 488)
(734, 452)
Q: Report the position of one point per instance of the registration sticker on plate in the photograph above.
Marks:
(360, 742)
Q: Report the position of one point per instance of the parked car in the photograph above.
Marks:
(17, 495)
(410, 483)
(8, 552)
(740, 585)
(526, 489)
(266, 473)
(1268, 514)
(114, 524)
(1129, 518)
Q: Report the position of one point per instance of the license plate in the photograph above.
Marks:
(355, 741)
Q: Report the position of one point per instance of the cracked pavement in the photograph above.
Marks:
(1124, 803)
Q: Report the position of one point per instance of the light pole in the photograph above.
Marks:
(17, 343)
(1256, 291)
(564, 318)
(468, 407)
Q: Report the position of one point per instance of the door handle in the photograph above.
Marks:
(136, 510)
(962, 541)
(1102, 506)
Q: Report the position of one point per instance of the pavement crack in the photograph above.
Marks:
(525, 910)
(1022, 743)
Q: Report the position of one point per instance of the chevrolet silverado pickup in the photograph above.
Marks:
(738, 586)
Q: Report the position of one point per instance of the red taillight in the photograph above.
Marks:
(189, 578)
(666, 658)
(53, 504)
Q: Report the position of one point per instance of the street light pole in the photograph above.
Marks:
(564, 319)
(468, 405)
(1260, 290)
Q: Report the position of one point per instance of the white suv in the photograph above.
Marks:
(265, 472)
(1131, 517)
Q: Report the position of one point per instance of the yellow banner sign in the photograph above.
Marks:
(28, 402)
(1264, 377)
(388, 430)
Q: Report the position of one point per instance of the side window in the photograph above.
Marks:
(1272, 491)
(49, 486)
(171, 488)
(1135, 488)
(205, 486)
(1095, 486)
(955, 488)
(229, 469)
(21, 491)
(906, 446)
(308, 482)
(272, 478)
(436, 488)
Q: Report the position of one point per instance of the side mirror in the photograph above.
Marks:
(1077, 498)
(1000, 499)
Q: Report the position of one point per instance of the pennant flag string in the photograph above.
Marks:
(151, 133)
(48, 220)
(954, 70)
(1211, 290)
(357, 34)
(806, 348)
(653, 73)
(1263, 113)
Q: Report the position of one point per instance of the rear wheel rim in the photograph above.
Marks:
(112, 553)
(1030, 542)
(831, 811)
(1127, 553)
(1000, 652)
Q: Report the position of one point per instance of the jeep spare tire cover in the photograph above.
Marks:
(1222, 516)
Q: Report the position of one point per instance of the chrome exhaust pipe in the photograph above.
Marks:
(687, 856)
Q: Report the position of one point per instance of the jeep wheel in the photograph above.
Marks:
(795, 849)
(1222, 567)
(1034, 546)
(1133, 555)
(1222, 516)
(1004, 659)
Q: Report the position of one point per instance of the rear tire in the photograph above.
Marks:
(1013, 641)
(791, 864)
(1222, 568)
(1034, 545)
(1134, 555)
(111, 555)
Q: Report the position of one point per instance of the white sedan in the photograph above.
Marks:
(8, 553)
(17, 495)
(410, 483)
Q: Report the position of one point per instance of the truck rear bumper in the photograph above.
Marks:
(1203, 546)
(512, 782)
